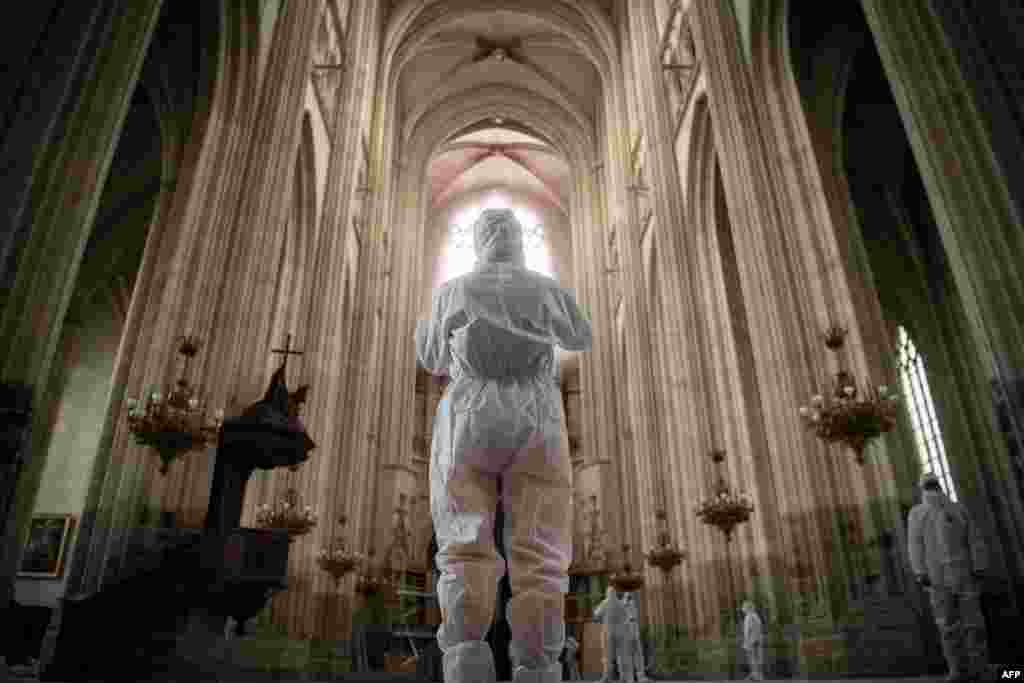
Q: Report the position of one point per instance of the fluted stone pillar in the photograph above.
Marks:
(92, 66)
(239, 351)
(981, 231)
(981, 228)
(600, 419)
(171, 280)
(237, 356)
(784, 337)
(698, 407)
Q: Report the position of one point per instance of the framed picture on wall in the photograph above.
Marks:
(47, 544)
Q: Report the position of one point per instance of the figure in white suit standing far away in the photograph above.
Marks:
(571, 648)
(636, 645)
(500, 431)
(612, 612)
(948, 557)
(753, 641)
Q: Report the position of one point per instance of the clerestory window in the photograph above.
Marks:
(918, 400)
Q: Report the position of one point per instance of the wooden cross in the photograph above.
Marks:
(287, 350)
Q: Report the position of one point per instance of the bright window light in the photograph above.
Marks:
(927, 436)
(459, 257)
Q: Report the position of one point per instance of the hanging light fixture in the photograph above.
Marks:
(847, 416)
(337, 559)
(592, 561)
(288, 515)
(626, 580)
(174, 422)
(377, 579)
(725, 508)
(666, 555)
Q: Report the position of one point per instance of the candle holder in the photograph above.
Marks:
(848, 416)
(337, 559)
(626, 580)
(174, 422)
(725, 509)
(287, 515)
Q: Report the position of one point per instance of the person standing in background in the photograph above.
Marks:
(753, 641)
(948, 558)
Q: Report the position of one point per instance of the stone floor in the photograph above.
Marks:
(22, 675)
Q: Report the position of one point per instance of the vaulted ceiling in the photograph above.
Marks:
(495, 157)
(499, 48)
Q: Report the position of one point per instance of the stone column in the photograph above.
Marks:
(243, 317)
(768, 271)
(332, 363)
(970, 193)
(101, 48)
(600, 419)
(693, 402)
(181, 257)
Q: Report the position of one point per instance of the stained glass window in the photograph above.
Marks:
(918, 399)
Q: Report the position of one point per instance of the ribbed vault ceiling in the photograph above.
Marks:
(478, 50)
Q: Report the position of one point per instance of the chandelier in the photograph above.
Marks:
(627, 580)
(336, 559)
(847, 416)
(287, 515)
(666, 555)
(592, 562)
(725, 508)
(377, 580)
(175, 422)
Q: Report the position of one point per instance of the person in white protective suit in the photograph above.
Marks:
(948, 557)
(612, 612)
(500, 431)
(753, 641)
(636, 646)
(571, 648)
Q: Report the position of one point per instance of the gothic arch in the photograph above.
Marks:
(536, 113)
(415, 22)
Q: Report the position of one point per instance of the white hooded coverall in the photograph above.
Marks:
(636, 645)
(753, 641)
(501, 424)
(947, 548)
(571, 648)
(614, 614)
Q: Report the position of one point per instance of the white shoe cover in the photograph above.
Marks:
(470, 662)
(552, 674)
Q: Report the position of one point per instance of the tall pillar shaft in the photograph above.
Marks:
(70, 159)
(980, 225)
(769, 272)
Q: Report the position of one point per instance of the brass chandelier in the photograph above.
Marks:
(626, 580)
(847, 416)
(724, 508)
(175, 422)
(378, 579)
(666, 555)
(287, 515)
(592, 561)
(337, 559)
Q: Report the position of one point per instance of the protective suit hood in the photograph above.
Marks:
(498, 238)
